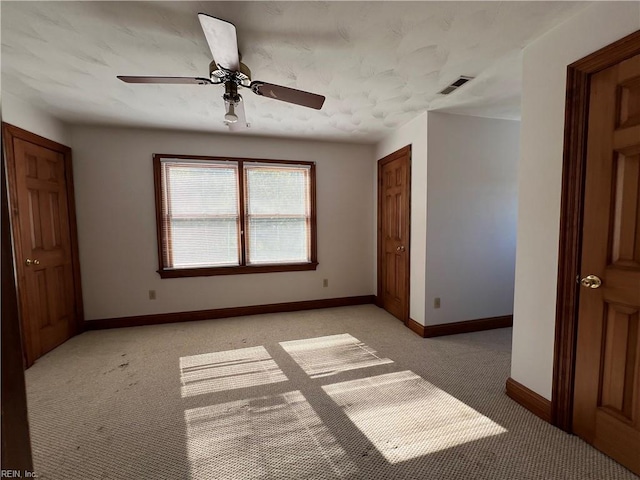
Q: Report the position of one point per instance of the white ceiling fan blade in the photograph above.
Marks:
(222, 40)
(241, 124)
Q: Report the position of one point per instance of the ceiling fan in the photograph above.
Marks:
(226, 68)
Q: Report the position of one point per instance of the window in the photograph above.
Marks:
(218, 216)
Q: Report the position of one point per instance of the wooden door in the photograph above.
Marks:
(15, 450)
(394, 186)
(43, 240)
(607, 377)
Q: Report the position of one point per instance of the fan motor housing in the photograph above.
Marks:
(242, 77)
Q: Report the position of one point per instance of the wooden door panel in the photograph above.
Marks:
(44, 218)
(33, 211)
(390, 283)
(40, 299)
(389, 215)
(60, 306)
(607, 376)
(47, 212)
(620, 349)
(393, 233)
(399, 217)
(396, 279)
(626, 238)
(629, 103)
(49, 215)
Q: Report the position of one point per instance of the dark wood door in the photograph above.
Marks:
(15, 450)
(394, 184)
(607, 379)
(42, 235)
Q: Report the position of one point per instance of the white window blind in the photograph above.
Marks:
(278, 213)
(200, 213)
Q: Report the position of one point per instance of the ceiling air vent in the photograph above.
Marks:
(456, 85)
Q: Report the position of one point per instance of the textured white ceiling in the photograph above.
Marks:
(379, 64)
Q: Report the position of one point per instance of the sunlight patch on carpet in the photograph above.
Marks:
(406, 417)
(229, 370)
(324, 356)
(278, 436)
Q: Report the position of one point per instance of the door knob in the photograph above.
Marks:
(400, 248)
(28, 262)
(591, 281)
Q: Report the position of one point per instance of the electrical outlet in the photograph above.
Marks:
(325, 282)
(152, 294)
(436, 302)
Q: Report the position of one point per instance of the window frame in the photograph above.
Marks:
(169, 272)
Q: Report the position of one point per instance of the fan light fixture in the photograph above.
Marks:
(231, 116)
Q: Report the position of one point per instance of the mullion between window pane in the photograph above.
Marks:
(166, 217)
(308, 210)
(245, 210)
(242, 224)
(313, 221)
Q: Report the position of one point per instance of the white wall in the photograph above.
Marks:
(117, 232)
(540, 172)
(28, 117)
(413, 133)
(471, 217)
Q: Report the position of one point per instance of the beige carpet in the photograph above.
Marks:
(346, 393)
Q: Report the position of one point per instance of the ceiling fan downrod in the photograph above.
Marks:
(231, 98)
